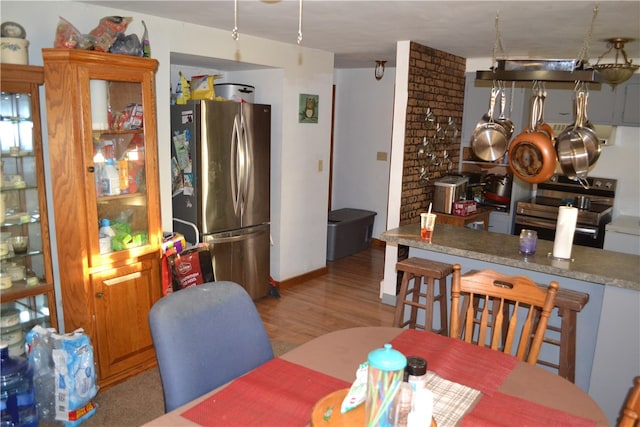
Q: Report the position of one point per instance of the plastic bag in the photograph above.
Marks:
(106, 32)
(67, 36)
(73, 386)
(126, 45)
(191, 267)
(75, 378)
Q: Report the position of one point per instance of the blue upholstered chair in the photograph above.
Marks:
(204, 337)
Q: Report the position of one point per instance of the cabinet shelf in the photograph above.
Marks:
(26, 203)
(20, 290)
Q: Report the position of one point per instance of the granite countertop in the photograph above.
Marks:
(589, 264)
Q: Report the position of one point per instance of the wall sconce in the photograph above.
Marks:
(379, 70)
(615, 73)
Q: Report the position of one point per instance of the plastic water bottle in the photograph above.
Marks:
(105, 235)
(110, 179)
(17, 405)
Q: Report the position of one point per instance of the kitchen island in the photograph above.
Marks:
(608, 330)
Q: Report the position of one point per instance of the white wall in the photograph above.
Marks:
(299, 191)
(362, 129)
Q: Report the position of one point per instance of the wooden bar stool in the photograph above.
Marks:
(569, 303)
(417, 269)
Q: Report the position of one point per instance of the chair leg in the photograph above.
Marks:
(428, 315)
(399, 314)
(415, 298)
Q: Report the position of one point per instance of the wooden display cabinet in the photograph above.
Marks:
(101, 115)
(27, 279)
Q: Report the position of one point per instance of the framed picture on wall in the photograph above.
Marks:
(308, 108)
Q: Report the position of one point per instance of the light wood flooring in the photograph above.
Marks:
(347, 296)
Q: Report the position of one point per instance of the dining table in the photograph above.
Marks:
(471, 385)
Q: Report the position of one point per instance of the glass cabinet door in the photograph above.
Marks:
(26, 288)
(117, 128)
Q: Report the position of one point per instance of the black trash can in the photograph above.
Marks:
(349, 231)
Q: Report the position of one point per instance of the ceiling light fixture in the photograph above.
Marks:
(616, 73)
(379, 70)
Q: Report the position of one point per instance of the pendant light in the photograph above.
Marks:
(379, 70)
(616, 73)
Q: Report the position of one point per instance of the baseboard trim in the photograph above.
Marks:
(377, 243)
(302, 278)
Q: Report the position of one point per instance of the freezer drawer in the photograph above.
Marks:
(242, 256)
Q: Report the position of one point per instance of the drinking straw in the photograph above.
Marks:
(429, 208)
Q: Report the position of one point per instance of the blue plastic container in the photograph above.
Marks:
(17, 403)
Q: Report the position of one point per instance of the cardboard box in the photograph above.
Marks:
(464, 207)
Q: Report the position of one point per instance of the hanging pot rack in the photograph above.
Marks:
(588, 76)
(539, 69)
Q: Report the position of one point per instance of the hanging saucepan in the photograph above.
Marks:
(571, 148)
(503, 120)
(585, 129)
(544, 127)
(489, 139)
(531, 154)
(539, 97)
(572, 156)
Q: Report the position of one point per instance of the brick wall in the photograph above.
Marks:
(436, 83)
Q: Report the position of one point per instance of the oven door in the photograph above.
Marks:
(585, 235)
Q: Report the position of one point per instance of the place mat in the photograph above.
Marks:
(455, 360)
(451, 401)
(276, 393)
(505, 410)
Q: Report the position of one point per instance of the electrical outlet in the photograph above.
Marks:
(381, 155)
(319, 165)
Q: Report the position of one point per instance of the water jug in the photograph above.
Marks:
(17, 395)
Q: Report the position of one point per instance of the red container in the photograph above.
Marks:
(464, 207)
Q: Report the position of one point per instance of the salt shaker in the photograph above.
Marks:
(416, 372)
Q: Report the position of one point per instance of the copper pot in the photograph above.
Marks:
(532, 157)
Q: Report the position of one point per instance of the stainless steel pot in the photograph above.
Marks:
(572, 145)
(489, 140)
(498, 188)
(502, 119)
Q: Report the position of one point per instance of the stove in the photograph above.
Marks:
(540, 213)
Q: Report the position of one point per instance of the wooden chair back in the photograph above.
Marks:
(493, 310)
(630, 416)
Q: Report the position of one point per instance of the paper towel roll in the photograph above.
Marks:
(99, 104)
(565, 229)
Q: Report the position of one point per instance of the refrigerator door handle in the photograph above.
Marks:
(245, 161)
(236, 169)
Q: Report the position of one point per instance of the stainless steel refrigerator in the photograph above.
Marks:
(220, 170)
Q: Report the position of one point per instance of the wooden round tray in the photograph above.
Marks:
(326, 412)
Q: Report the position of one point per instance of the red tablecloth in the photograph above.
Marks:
(276, 393)
(477, 367)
